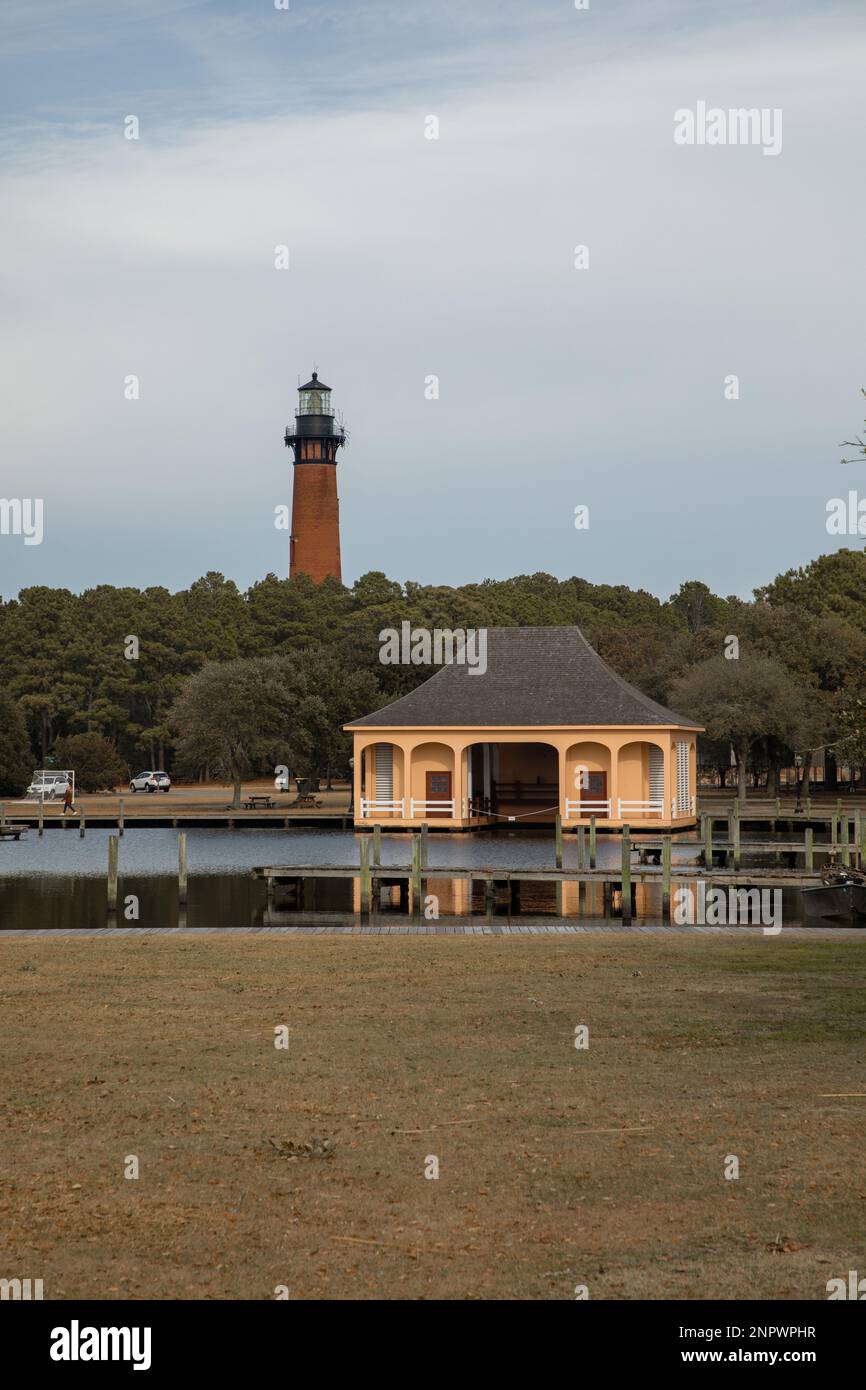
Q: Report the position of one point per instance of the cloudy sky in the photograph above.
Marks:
(412, 257)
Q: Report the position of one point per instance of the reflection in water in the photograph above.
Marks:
(60, 902)
(63, 902)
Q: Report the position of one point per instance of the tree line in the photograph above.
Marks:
(216, 681)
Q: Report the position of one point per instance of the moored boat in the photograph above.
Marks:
(841, 897)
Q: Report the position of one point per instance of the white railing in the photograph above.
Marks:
(427, 808)
(380, 808)
(592, 808)
(640, 808)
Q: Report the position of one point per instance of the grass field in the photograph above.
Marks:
(557, 1167)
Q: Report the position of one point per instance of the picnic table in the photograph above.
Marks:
(256, 803)
(307, 799)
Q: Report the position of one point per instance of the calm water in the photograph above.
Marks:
(59, 881)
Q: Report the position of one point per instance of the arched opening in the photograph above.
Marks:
(587, 780)
(382, 782)
(518, 781)
(431, 782)
(640, 781)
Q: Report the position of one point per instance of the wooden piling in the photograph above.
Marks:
(708, 841)
(843, 837)
(377, 844)
(666, 878)
(112, 874)
(425, 844)
(809, 852)
(581, 846)
(366, 877)
(181, 866)
(416, 873)
(592, 842)
(834, 834)
(558, 840)
(2, 812)
(81, 826)
(626, 875)
(120, 816)
(489, 898)
(855, 841)
(607, 898)
(41, 816)
(735, 826)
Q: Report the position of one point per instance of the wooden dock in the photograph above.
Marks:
(712, 863)
(766, 878)
(194, 818)
(412, 881)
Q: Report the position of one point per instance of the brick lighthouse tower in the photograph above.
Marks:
(314, 542)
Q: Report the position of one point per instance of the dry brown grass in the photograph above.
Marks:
(557, 1167)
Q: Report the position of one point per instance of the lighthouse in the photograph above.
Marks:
(314, 541)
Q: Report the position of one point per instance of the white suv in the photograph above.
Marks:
(48, 785)
(150, 782)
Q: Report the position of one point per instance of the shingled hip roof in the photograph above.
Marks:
(535, 676)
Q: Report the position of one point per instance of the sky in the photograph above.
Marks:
(603, 386)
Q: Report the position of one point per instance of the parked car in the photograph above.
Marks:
(48, 786)
(150, 782)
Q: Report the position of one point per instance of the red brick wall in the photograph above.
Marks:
(315, 522)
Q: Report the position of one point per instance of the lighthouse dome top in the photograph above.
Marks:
(314, 384)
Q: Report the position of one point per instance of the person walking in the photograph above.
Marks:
(67, 799)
